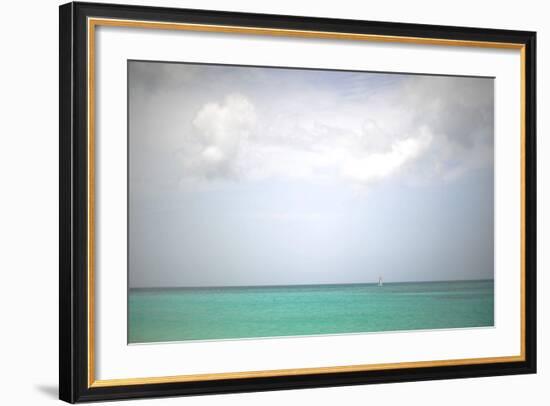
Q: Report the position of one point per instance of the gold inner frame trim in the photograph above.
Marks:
(91, 203)
(299, 371)
(94, 22)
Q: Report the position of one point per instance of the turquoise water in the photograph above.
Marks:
(170, 314)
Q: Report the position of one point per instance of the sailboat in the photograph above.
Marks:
(380, 283)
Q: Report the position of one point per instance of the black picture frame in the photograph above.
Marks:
(74, 384)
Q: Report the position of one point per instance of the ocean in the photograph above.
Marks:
(214, 313)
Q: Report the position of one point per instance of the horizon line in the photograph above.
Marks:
(304, 284)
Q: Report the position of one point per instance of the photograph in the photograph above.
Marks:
(254, 201)
(269, 202)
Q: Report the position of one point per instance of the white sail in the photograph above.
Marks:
(380, 281)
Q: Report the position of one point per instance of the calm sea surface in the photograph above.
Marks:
(244, 312)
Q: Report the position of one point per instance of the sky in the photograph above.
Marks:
(244, 176)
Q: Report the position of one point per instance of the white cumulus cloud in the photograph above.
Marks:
(220, 131)
(378, 165)
(419, 128)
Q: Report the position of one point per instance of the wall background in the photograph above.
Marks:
(29, 220)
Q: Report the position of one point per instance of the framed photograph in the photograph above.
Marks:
(257, 202)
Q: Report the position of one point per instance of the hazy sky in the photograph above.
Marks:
(267, 176)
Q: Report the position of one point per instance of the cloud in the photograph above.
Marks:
(378, 165)
(220, 130)
(418, 128)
